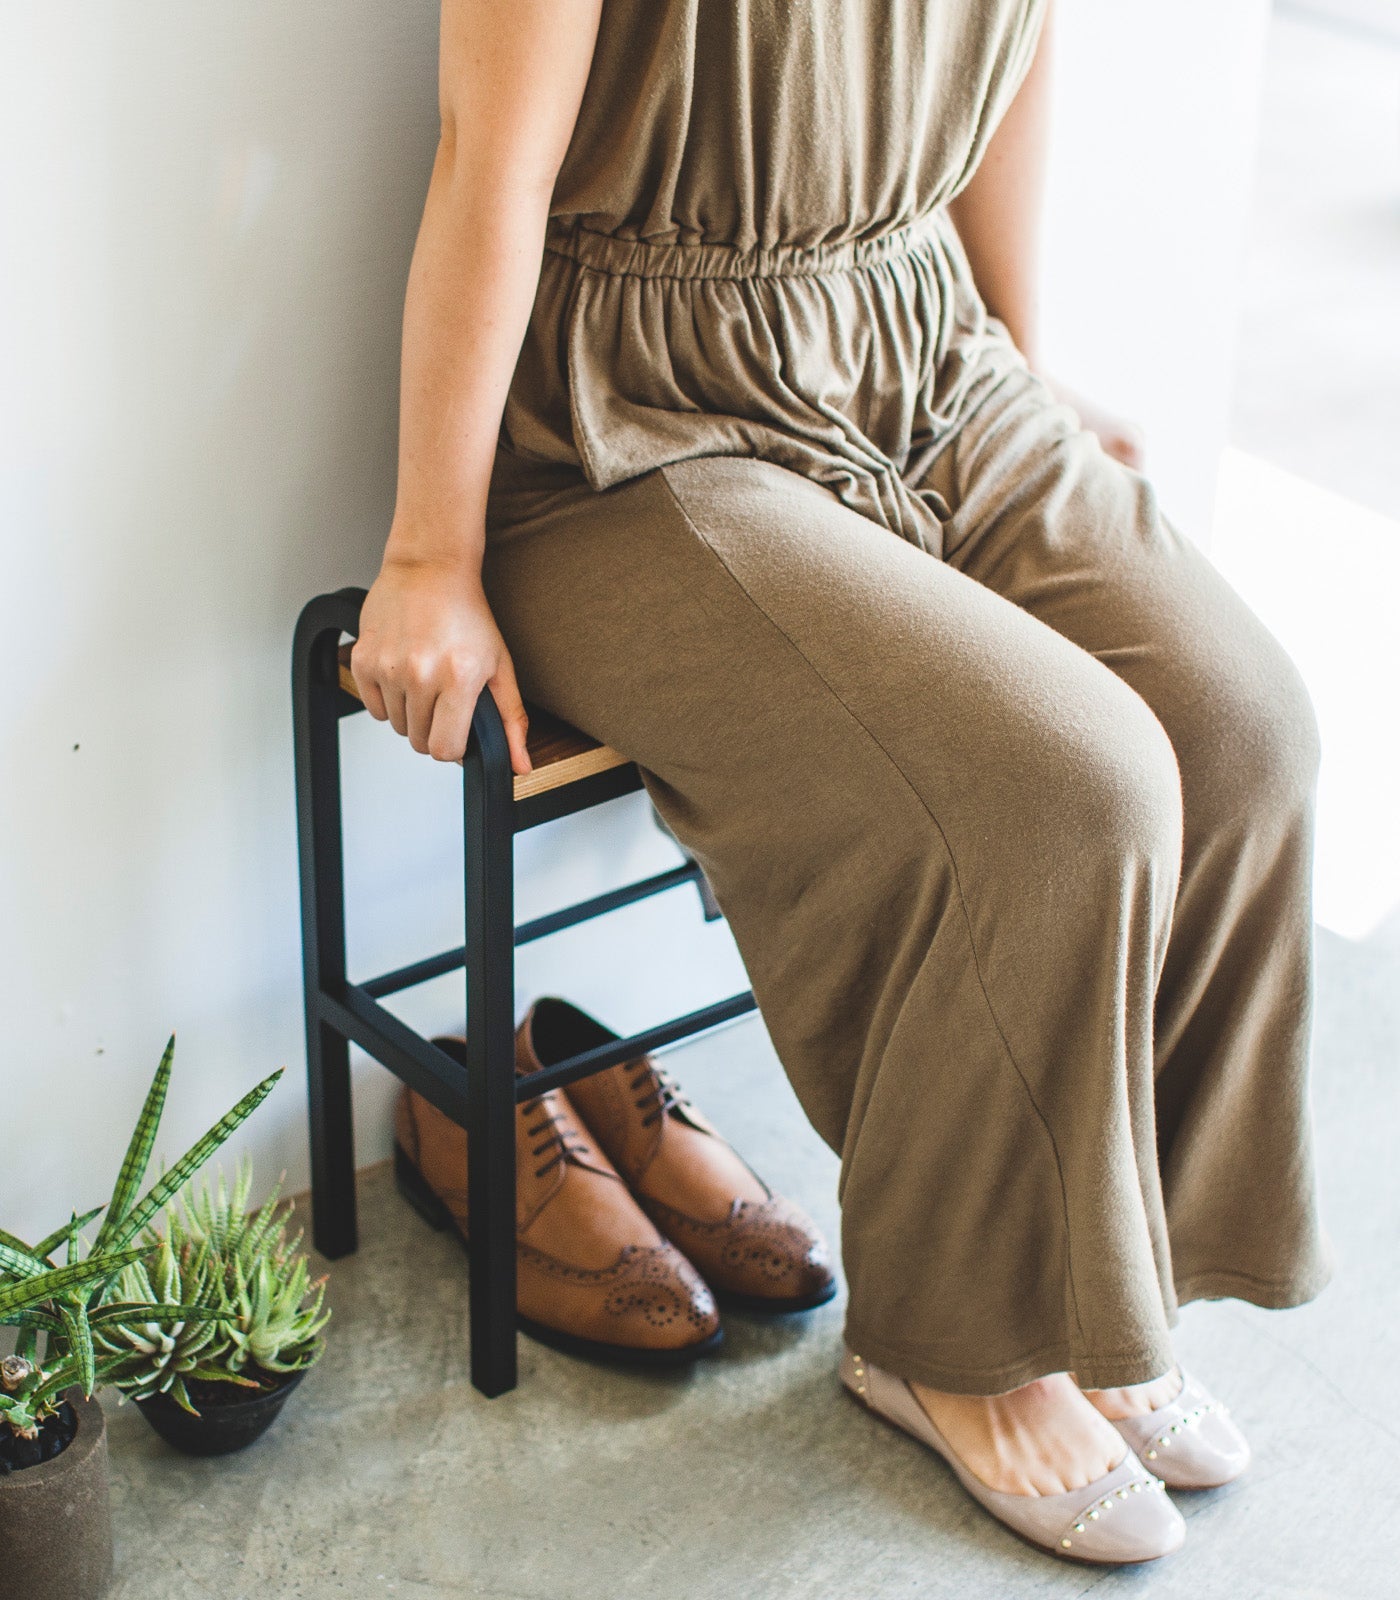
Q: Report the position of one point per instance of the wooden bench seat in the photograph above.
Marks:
(559, 753)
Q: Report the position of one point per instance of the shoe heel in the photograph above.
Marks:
(412, 1185)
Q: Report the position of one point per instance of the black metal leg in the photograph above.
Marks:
(333, 1212)
(708, 904)
(490, 974)
(317, 703)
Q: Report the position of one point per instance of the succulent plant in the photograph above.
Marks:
(69, 1307)
(147, 1355)
(265, 1315)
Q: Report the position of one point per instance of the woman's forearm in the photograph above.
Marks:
(470, 290)
(998, 214)
(512, 75)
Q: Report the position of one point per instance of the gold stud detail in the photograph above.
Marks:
(1151, 1455)
(1093, 1516)
(1064, 1544)
(1079, 1527)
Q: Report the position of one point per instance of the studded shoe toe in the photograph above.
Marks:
(1192, 1442)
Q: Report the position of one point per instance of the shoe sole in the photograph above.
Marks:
(761, 1303)
(1031, 1544)
(415, 1188)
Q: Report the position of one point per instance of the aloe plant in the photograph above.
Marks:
(69, 1306)
(266, 1315)
(171, 1330)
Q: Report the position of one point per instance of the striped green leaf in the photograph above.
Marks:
(75, 1325)
(20, 1263)
(138, 1151)
(61, 1236)
(34, 1291)
(16, 1244)
(64, 1378)
(171, 1182)
(130, 1311)
(33, 1320)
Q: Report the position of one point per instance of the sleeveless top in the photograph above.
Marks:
(748, 253)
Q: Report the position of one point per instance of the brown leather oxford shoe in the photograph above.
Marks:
(594, 1277)
(756, 1250)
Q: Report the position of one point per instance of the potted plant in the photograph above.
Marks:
(55, 1525)
(216, 1385)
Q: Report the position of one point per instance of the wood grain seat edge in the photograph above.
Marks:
(559, 752)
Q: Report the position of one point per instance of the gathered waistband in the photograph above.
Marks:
(638, 258)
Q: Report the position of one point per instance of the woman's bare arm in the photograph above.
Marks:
(512, 74)
(998, 218)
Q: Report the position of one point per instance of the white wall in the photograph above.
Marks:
(207, 217)
(1157, 108)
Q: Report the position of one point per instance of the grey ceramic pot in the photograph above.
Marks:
(55, 1520)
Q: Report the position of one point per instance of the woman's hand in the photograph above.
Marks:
(1120, 438)
(428, 645)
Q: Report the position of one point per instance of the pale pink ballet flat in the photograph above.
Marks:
(1121, 1518)
(1191, 1442)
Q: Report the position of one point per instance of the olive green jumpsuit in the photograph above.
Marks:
(1006, 795)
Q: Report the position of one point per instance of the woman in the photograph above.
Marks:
(720, 399)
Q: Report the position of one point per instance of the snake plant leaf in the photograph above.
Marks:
(75, 1325)
(61, 1236)
(133, 1311)
(64, 1377)
(20, 1263)
(33, 1291)
(138, 1151)
(34, 1321)
(175, 1179)
(11, 1243)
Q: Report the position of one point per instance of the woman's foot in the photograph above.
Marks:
(1136, 1400)
(1044, 1438)
(1046, 1434)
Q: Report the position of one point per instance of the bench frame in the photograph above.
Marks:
(481, 1096)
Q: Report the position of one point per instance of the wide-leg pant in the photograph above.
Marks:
(1016, 847)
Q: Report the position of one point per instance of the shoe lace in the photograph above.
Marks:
(556, 1131)
(654, 1092)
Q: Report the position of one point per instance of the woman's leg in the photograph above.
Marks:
(947, 841)
(1043, 517)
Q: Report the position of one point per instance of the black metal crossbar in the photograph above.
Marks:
(480, 1096)
(527, 932)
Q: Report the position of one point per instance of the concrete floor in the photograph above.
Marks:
(754, 1476)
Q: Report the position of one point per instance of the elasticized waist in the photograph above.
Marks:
(638, 258)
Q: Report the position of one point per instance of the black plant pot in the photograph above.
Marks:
(55, 1525)
(219, 1429)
